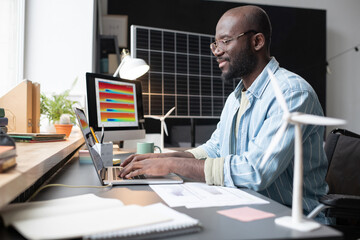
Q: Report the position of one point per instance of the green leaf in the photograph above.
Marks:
(56, 105)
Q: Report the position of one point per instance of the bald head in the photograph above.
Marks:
(251, 18)
(242, 43)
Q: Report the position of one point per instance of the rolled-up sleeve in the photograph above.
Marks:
(214, 171)
(199, 153)
(214, 167)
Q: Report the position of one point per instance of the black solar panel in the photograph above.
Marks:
(183, 73)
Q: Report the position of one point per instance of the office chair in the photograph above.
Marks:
(342, 203)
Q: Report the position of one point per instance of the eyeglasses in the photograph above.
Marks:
(222, 43)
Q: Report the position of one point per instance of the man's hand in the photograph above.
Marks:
(160, 164)
(148, 166)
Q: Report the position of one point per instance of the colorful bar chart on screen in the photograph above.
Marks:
(117, 103)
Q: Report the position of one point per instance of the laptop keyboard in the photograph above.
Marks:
(116, 172)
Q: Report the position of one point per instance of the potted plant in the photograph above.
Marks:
(59, 110)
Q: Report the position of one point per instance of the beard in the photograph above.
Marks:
(242, 65)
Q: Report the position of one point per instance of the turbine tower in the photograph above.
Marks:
(296, 221)
(163, 126)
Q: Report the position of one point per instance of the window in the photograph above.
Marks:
(12, 16)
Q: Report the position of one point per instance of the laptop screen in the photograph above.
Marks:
(89, 140)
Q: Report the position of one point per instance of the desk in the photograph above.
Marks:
(34, 160)
(215, 225)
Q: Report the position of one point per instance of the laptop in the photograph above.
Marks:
(110, 175)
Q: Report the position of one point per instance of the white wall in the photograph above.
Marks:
(59, 43)
(12, 20)
(59, 47)
(343, 84)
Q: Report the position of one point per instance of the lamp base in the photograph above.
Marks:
(303, 225)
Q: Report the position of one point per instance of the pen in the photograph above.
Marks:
(102, 134)
(93, 133)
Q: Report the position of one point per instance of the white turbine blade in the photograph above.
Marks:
(317, 120)
(274, 141)
(169, 112)
(165, 128)
(278, 94)
(154, 117)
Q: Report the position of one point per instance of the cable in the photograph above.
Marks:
(356, 48)
(64, 185)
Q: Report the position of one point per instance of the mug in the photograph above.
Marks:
(146, 147)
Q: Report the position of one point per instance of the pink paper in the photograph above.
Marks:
(246, 214)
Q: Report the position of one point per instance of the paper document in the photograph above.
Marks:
(198, 195)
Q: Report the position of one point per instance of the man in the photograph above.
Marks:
(250, 118)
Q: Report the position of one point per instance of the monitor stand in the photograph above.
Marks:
(121, 135)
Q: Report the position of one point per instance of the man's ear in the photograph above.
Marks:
(259, 41)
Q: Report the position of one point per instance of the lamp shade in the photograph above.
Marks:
(131, 68)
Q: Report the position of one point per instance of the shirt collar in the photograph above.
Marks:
(258, 86)
(238, 89)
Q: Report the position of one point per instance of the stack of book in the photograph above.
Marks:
(3, 121)
(7, 157)
(7, 152)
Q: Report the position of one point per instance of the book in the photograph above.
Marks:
(2, 112)
(89, 215)
(37, 137)
(84, 157)
(4, 121)
(7, 151)
(38, 141)
(7, 163)
(3, 129)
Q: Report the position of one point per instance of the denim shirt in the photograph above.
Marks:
(243, 165)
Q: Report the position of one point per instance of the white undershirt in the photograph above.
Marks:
(244, 102)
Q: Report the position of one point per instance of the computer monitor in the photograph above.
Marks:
(116, 104)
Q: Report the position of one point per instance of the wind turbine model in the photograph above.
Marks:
(295, 221)
(163, 125)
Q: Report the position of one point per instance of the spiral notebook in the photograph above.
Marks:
(90, 216)
(179, 225)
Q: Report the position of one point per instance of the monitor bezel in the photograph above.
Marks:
(92, 106)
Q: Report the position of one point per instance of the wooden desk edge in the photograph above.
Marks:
(17, 180)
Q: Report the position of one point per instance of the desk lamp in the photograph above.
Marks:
(295, 221)
(131, 68)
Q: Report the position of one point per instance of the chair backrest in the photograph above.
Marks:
(342, 149)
